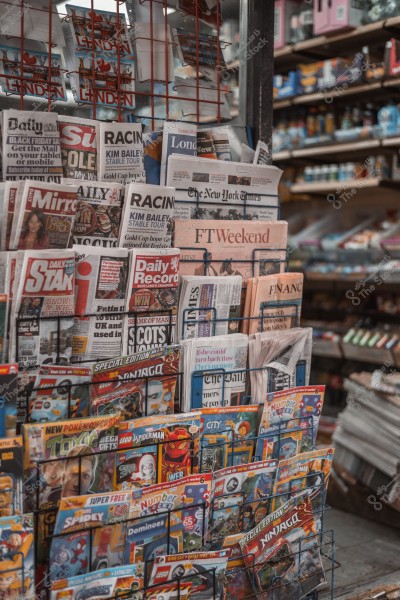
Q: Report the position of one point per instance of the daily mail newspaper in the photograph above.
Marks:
(221, 247)
(101, 281)
(147, 218)
(46, 289)
(152, 299)
(98, 213)
(78, 147)
(120, 156)
(45, 216)
(31, 146)
(209, 189)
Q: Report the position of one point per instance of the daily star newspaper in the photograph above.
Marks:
(78, 147)
(31, 146)
(46, 289)
(98, 213)
(45, 217)
(100, 277)
(152, 299)
(120, 156)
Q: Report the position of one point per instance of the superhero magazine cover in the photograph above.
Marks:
(289, 422)
(139, 384)
(241, 498)
(204, 570)
(11, 476)
(177, 438)
(17, 561)
(8, 399)
(227, 436)
(179, 590)
(282, 552)
(237, 579)
(125, 582)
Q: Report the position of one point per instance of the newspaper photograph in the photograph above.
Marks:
(98, 213)
(78, 147)
(100, 278)
(152, 299)
(31, 146)
(120, 156)
(147, 216)
(46, 289)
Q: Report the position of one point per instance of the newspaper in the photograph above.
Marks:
(223, 189)
(46, 289)
(247, 154)
(222, 144)
(200, 357)
(147, 217)
(155, 61)
(282, 360)
(31, 146)
(209, 306)
(231, 247)
(262, 155)
(152, 299)
(78, 147)
(120, 156)
(10, 195)
(36, 21)
(45, 217)
(177, 137)
(205, 144)
(3, 213)
(98, 213)
(100, 278)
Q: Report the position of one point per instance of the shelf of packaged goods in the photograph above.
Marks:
(336, 148)
(328, 46)
(322, 187)
(338, 91)
(340, 151)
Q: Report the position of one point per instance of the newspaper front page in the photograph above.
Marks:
(78, 147)
(120, 156)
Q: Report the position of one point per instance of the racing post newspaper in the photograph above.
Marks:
(120, 156)
(101, 281)
(78, 147)
(46, 289)
(31, 146)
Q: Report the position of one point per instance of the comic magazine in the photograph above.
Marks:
(135, 385)
(106, 583)
(241, 498)
(169, 591)
(237, 580)
(205, 570)
(308, 470)
(8, 399)
(177, 438)
(136, 468)
(60, 393)
(227, 436)
(11, 477)
(282, 552)
(17, 560)
(289, 422)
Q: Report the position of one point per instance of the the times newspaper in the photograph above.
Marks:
(98, 213)
(101, 276)
(120, 156)
(45, 216)
(152, 299)
(46, 289)
(78, 147)
(31, 146)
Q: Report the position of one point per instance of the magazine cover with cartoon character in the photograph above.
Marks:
(17, 561)
(237, 579)
(11, 476)
(282, 552)
(136, 468)
(8, 399)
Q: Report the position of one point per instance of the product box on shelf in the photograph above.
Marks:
(334, 15)
(285, 85)
(309, 77)
(293, 22)
(394, 59)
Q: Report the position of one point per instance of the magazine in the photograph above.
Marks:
(78, 147)
(98, 213)
(282, 552)
(237, 579)
(262, 155)
(100, 280)
(205, 570)
(152, 299)
(200, 50)
(289, 422)
(147, 217)
(60, 393)
(46, 289)
(242, 498)
(139, 384)
(8, 400)
(205, 144)
(17, 557)
(231, 247)
(209, 306)
(11, 476)
(214, 371)
(152, 151)
(36, 21)
(136, 468)
(120, 156)
(180, 590)
(28, 133)
(209, 12)
(177, 138)
(10, 194)
(155, 60)
(226, 434)
(174, 461)
(46, 217)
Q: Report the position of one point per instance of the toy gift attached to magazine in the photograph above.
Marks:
(237, 580)
(11, 477)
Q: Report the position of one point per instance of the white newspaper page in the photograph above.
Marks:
(120, 156)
